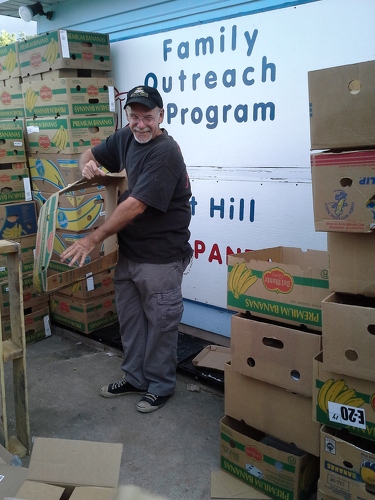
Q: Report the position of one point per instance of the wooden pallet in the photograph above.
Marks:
(14, 350)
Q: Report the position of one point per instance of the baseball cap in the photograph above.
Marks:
(143, 94)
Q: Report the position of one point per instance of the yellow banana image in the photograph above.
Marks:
(355, 402)
(10, 61)
(51, 52)
(13, 232)
(30, 99)
(334, 390)
(36, 281)
(240, 279)
(345, 396)
(61, 138)
(80, 218)
(322, 394)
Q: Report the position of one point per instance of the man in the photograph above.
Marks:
(151, 220)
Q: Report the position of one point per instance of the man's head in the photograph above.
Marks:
(144, 111)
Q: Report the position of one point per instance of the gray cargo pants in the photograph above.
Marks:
(149, 307)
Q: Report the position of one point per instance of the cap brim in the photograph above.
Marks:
(141, 100)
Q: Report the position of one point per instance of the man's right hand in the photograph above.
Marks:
(91, 170)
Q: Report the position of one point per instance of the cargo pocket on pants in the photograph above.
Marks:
(170, 309)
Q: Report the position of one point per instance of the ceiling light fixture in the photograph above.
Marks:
(26, 13)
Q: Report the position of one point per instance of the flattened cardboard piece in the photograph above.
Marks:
(47, 230)
(32, 490)
(12, 479)
(5, 455)
(226, 486)
(93, 493)
(75, 462)
(213, 356)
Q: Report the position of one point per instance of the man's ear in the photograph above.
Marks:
(161, 116)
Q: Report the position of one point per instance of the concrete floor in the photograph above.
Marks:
(170, 452)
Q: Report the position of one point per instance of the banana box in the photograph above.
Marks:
(27, 244)
(271, 409)
(11, 101)
(12, 142)
(85, 316)
(271, 466)
(17, 219)
(9, 63)
(282, 283)
(78, 212)
(37, 323)
(15, 185)
(347, 466)
(48, 279)
(50, 173)
(343, 191)
(30, 296)
(343, 402)
(92, 286)
(68, 134)
(64, 49)
(68, 96)
(275, 353)
(348, 337)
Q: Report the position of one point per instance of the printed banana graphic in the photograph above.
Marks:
(10, 61)
(88, 212)
(51, 52)
(46, 170)
(240, 279)
(36, 281)
(30, 99)
(13, 232)
(61, 138)
(337, 391)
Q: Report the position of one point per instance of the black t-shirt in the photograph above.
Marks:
(157, 176)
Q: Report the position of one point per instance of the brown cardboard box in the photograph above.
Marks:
(274, 353)
(271, 466)
(71, 464)
(12, 479)
(12, 143)
(322, 495)
(350, 263)
(353, 410)
(27, 244)
(15, 183)
(343, 191)
(11, 101)
(271, 409)
(17, 220)
(341, 103)
(64, 49)
(282, 283)
(347, 465)
(348, 336)
(68, 134)
(68, 96)
(92, 286)
(30, 296)
(47, 281)
(37, 322)
(84, 315)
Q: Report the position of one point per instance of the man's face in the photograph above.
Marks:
(144, 122)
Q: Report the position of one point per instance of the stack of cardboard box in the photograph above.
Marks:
(268, 437)
(342, 102)
(17, 209)
(69, 107)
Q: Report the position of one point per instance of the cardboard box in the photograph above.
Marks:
(84, 315)
(281, 283)
(68, 134)
(27, 244)
(12, 143)
(50, 173)
(332, 407)
(347, 465)
(323, 495)
(30, 296)
(15, 184)
(114, 184)
(11, 101)
(17, 219)
(341, 102)
(266, 464)
(9, 63)
(12, 479)
(343, 191)
(348, 337)
(71, 464)
(37, 323)
(350, 258)
(213, 357)
(68, 96)
(78, 212)
(274, 353)
(271, 409)
(64, 49)
(92, 286)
